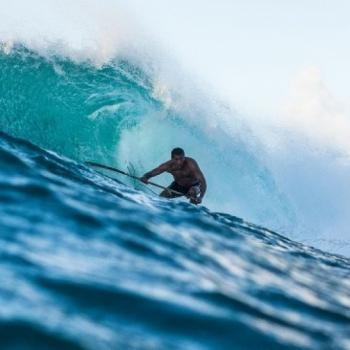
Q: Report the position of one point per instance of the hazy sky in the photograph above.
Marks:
(252, 50)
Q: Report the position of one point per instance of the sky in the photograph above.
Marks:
(252, 51)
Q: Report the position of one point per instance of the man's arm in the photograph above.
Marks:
(199, 175)
(157, 171)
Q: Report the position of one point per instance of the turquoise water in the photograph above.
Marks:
(115, 114)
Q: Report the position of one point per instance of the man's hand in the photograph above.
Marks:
(144, 179)
(194, 196)
(196, 200)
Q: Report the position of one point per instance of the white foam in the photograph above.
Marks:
(308, 150)
(79, 29)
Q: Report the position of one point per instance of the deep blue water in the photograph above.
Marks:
(87, 262)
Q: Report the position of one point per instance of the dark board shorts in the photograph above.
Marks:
(182, 189)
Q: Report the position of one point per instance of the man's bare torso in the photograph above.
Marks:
(186, 175)
(189, 179)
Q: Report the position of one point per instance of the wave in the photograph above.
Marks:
(90, 263)
(115, 114)
(88, 84)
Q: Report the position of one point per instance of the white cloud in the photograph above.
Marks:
(315, 114)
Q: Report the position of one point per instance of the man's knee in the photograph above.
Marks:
(194, 191)
(165, 193)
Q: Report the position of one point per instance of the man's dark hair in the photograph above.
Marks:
(177, 152)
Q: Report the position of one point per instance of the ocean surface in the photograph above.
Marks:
(91, 260)
(90, 263)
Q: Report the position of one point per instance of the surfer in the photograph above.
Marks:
(188, 177)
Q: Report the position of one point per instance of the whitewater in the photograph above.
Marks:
(92, 260)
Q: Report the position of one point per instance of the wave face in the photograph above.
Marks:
(123, 114)
(90, 263)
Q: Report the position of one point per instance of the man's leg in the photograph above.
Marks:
(169, 194)
(194, 191)
(166, 194)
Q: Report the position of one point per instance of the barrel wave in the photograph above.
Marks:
(124, 115)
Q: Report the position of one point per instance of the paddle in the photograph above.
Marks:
(132, 176)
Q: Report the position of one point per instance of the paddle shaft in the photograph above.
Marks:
(133, 177)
